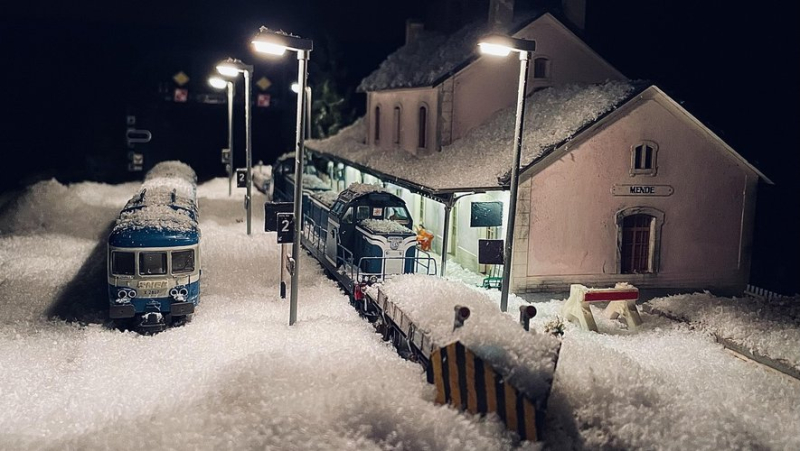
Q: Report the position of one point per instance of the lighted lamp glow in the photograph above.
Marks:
(494, 49)
(217, 82)
(227, 70)
(295, 88)
(268, 47)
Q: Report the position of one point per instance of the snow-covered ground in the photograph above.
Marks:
(239, 377)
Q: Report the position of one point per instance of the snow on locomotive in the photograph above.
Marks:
(154, 251)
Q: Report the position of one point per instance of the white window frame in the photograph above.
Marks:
(653, 169)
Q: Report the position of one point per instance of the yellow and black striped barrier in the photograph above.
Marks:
(466, 382)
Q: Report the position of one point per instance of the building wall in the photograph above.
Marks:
(409, 101)
(707, 229)
(491, 83)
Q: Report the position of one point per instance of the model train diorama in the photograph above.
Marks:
(361, 235)
(154, 252)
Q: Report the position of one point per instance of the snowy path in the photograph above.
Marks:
(236, 377)
(669, 387)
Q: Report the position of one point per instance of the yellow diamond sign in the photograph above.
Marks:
(263, 83)
(180, 78)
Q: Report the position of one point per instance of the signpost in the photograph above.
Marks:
(279, 217)
(241, 178)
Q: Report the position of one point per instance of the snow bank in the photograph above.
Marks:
(527, 360)
(484, 155)
(769, 328)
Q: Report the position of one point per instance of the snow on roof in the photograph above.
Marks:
(312, 182)
(365, 188)
(431, 56)
(172, 168)
(526, 359)
(326, 197)
(484, 155)
(159, 217)
(182, 187)
(384, 226)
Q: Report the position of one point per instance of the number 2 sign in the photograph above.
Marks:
(241, 178)
(285, 228)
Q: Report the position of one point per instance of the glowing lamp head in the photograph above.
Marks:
(494, 49)
(227, 70)
(295, 88)
(269, 48)
(217, 82)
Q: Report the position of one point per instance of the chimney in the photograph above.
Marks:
(575, 11)
(414, 29)
(501, 12)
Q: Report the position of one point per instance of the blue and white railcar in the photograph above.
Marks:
(154, 251)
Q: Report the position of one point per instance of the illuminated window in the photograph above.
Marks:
(423, 127)
(643, 158)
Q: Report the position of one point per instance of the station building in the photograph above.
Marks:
(619, 182)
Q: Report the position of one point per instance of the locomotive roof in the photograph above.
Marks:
(357, 190)
(172, 169)
(155, 225)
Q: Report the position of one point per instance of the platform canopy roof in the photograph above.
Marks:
(481, 160)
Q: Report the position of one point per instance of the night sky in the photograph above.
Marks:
(74, 70)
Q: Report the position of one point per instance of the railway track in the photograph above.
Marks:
(735, 348)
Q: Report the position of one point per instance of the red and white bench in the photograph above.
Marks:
(622, 301)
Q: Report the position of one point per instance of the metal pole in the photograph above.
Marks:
(448, 208)
(524, 59)
(230, 137)
(248, 146)
(302, 59)
(308, 112)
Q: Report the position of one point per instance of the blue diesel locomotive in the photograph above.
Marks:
(361, 235)
(154, 252)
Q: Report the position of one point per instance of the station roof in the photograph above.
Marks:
(481, 160)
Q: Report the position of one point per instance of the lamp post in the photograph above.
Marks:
(296, 89)
(502, 45)
(231, 68)
(276, 43)
(219, 83)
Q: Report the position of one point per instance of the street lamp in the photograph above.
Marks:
(231, 68)
(276, 43)
(219, 83)
(501, 45)
(296, 89)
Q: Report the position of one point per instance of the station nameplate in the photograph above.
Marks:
(642, 190)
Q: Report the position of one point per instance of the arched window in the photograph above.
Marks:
(643, 158)
(377, 124)
(541, 67)
(639, 238)
(396, 121)
(423, 127)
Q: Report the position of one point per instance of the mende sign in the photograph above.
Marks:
(642, 190)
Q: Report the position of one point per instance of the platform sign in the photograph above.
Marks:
(285, 228)
(490, 252)
(241, 178)
(271, 210)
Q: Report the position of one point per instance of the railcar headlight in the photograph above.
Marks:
(173, 292)
(373, 279)
(183, 291)
(132, 294)
(122, 294)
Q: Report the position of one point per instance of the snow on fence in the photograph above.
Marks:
(622, 302)
(763, 293)
(483, 361)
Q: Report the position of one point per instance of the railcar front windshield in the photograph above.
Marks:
(182, 261)
(123, 263)
(399, 215)
(152, 263)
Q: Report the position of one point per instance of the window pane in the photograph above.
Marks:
(648, 157)
(183, 261)
(638, 158)
(423, 123)
(377, 123)
(397, 125)
(122, 263)
(362, 213)
(636, 244)
(152, 263)
(540, 68)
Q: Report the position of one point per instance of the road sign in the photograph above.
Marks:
(263, 100)
(490, 252)
(271, 210)
(241, 178)
(263, 83)
(286, 229)
(181, 94)
(226, 156)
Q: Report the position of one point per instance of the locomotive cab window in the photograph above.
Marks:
(123, 263)
(152, 263)
(183, 261)
(362, 213)
(398, 214)
(347, 218)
